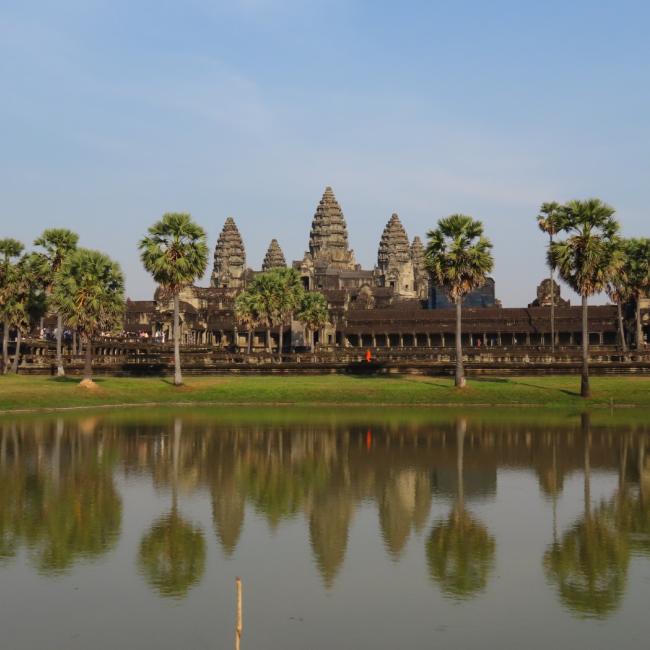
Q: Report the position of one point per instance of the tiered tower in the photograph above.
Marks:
(420, 269)
(394, 262)
(328, 240)
(229, 258)
(274, 258)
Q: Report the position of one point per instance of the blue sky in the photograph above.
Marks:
(114, 112)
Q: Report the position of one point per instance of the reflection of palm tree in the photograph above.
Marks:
(589, 564)
(172, 553)
(460, 550)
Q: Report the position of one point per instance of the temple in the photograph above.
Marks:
(393, 305)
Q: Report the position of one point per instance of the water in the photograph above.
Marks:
(353, 529)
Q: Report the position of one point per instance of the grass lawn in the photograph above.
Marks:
(37, 392)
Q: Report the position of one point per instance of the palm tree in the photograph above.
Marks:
(618, 292)
(547, 222)
(89, 294)
(9, 248)
(637, 275)
(175, 252)
(459, 258)
(247, 312)
(264, 288)
(586, 259)
(26, 301)
(313, 313)
(57, 243)
(290, 293)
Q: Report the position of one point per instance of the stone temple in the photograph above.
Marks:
(391, 305)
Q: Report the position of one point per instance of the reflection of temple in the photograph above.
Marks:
(392, 305)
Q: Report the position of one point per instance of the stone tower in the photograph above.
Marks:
(419, 269)
(394, 261)
(229, 258)
(328, 239)
(274, 258)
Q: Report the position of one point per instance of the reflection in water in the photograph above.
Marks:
(172, 553)
(59, 501)
(460, 551)
(589, 564)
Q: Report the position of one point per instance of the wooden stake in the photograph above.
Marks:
(239, 625)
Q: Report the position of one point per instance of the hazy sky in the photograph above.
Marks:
(113, 112)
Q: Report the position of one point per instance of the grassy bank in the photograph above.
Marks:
(24, 392)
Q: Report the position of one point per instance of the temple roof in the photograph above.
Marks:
(417, 254)
(274, 258)
(394, 244)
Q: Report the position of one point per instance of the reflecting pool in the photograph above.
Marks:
(349, 528)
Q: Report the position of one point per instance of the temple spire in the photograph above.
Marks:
(229, 258)
(274, 258)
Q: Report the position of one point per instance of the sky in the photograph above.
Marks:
(114, 112)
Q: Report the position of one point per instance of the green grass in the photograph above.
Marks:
(36, 392)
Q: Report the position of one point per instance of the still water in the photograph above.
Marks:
(353, 529)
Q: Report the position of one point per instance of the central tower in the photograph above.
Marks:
(328, 239)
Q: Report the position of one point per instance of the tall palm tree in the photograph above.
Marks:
(547, 222)
(637, 275)
(312, 313)
(459, 257)
(247, 312)
(9, 249)
(89, 294)
(175, 252)
(26, 302)
(57, 244)
(290, 293)
(617, 289)
(586, 259)
(264, 288)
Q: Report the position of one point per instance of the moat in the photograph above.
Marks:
(350, 529)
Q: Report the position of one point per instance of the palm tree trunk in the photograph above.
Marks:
(552, 306)
(59, 335)
(621, 330)
(639, 326)
(14, 367)
(584, 383)
(88, 365)
(268, 339)
(178, 379)
(460, 371)
(5, 346)
(250, 340)
(280, 346)
(312, 339)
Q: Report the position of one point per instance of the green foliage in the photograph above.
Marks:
(89, 292)
(57, 244)
(276, 295)
(548, 218)
(460, 555)
(458, 255)
(248, 309)
(10, 248)
(636, 266)
(312, 311)
(587, 259)
(175, 251)
(172, 555)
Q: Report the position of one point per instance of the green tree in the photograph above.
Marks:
(312, 313)
(89, 294)
(617, 289)
(9, 249)
(547, 222)
(247, 313)
(175, 253)
(586, 259)
(637, 276)
(289, 296)
(57, 244)
(459, 257)
(26, 302)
